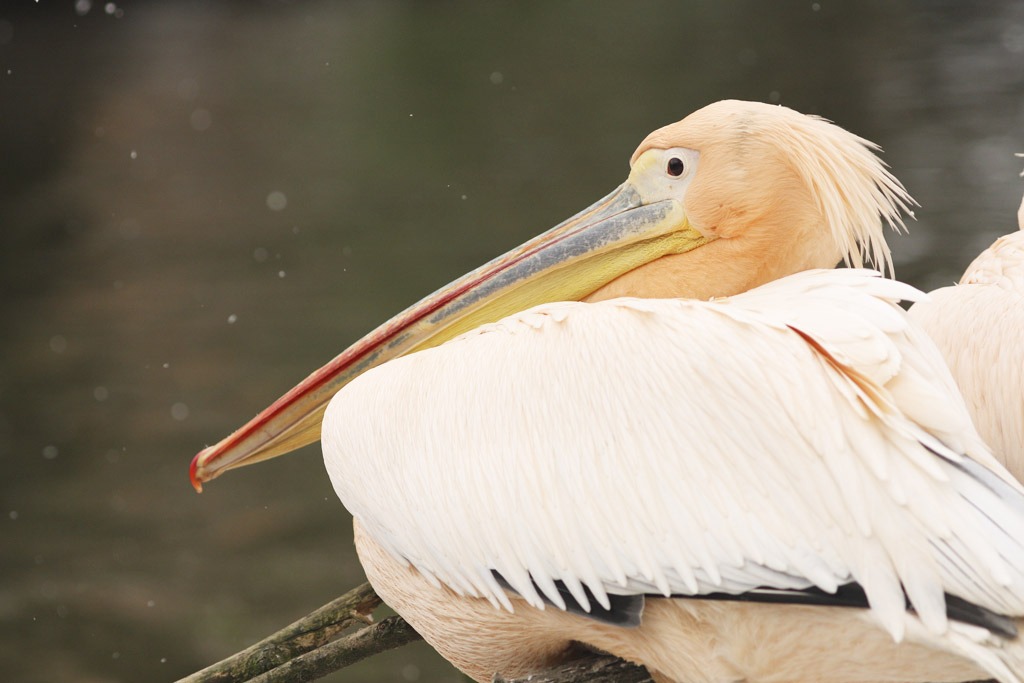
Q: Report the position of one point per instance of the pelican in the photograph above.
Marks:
(979, 327)
(649, 433)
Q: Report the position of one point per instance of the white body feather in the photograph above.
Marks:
(979, 327)
(803, 433)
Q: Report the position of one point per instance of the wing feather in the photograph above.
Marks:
(801, 435)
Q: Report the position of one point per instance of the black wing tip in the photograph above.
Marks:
(959, 609)
(853, 595)
(623, 610)
(627, 610)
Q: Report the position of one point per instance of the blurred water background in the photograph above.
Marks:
(202, 202)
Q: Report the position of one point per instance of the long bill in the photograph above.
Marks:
(613, 236)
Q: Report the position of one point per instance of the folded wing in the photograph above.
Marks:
(801, 438)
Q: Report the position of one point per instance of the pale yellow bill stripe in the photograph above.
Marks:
(614, 236)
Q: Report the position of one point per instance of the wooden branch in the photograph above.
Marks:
(596, 669)
(308, 633)
(310, 648)
(388, 634)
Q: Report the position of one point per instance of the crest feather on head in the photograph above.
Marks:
(852, 186)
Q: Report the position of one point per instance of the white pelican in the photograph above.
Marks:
(979, 327)
(643, 475)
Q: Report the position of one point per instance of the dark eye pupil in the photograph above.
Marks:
(675, 166)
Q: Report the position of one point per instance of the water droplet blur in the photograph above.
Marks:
(179, 411)
(166, 365)
(13, 514)
(410, 672)
(50, 452)
(259, 254)
(100, 393)
(232, 319)
(58, 344)
(82, 7)
(150, 603)
(276, 201)
(280, 273)
(1013, 37)
(497, 78)
(200, 120)
(133, 154)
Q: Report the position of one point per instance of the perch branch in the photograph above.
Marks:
(595, 669)
(310, 648)
(308, 633)
(383, 636)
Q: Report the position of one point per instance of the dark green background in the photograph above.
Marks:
(412, 142)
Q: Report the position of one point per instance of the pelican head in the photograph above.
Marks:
(773, 191)
(735, 195)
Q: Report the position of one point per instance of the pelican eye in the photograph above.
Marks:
(676, 166)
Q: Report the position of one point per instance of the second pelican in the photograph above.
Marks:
(978, 325)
